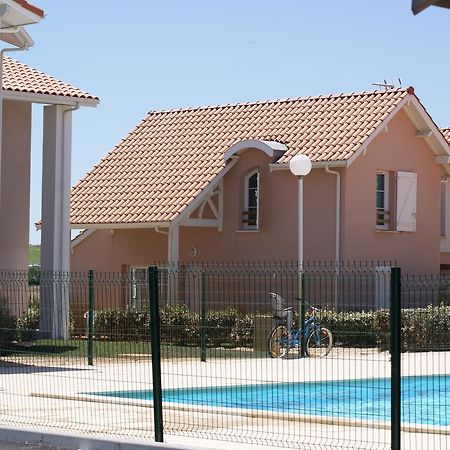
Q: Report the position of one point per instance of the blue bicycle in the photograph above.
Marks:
(283, 338)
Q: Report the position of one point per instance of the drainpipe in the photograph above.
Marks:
(338, 233)
(2, 52)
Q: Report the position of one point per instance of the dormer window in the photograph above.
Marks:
(250, 215)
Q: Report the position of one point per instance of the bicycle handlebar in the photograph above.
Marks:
(314, 308)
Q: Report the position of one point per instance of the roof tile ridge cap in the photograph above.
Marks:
(272, 101)
(33, 69)
(226, 105)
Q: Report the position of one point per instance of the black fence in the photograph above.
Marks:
(88, 352)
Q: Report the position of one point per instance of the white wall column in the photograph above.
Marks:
(55, 235)
(173, 256)
(174, 244)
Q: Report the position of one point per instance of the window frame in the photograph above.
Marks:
(133, 286)
(385, 208)
(246, 210)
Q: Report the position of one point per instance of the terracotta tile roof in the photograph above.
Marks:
(166, 161)
(18, 77)
(446, 134)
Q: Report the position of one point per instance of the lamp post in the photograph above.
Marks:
(300, 166)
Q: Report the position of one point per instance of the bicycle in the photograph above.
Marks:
(283, 337)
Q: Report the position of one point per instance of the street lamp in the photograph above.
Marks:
(300, 166)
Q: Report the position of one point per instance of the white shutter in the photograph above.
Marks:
(406, 201)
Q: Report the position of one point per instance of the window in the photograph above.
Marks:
(139, 295)
(383, 200)
(139, 289)
(250, 215)
(396, 198)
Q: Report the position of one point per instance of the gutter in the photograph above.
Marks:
(315, 165)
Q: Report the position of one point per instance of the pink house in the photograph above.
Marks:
(213, 184)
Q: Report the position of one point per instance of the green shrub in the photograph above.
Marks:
(422, 329)
(7, 328)
(130, 324)
(34, 275)
(28, 322)
(178, 325)
(351, 328)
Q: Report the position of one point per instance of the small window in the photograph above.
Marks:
(396, 200)
(250, 215)
(382, 200)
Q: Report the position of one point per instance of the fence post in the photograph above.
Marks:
(203, 317)
(395, 347)
(156, 352)
(90, 321)
(302, 318)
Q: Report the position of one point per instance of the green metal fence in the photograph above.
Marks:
(184, 351)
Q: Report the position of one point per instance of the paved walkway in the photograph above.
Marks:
(56, 396)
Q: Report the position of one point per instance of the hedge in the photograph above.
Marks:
(179, 326)
(422, 328)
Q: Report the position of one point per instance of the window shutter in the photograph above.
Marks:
(406, 201)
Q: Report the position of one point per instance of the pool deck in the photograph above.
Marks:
(54, 395)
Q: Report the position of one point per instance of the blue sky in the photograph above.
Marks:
(143, 55)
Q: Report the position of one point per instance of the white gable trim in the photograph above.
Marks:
(270, 148)
(381, 128)
(431, 126)
(205, 193)
(412, 106)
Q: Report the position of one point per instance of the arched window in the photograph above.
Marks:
(250, 216)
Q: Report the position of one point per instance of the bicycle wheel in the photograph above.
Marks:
(279, 342)
(319, 343)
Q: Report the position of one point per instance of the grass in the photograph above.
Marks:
(34, 254)
(77, 348)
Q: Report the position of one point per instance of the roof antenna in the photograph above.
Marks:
(389, 85)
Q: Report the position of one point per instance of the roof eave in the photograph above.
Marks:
(49, 99)
(114, 226)
(315, 165)
(20, 38)
(24, 13)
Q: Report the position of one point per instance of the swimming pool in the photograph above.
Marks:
(425, 399)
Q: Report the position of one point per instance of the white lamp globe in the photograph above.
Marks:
(300, 165)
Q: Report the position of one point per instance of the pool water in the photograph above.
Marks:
(425, 399)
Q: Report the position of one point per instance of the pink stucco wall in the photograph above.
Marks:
(108, 251)
(398, 149)
(277, 237)
(15, 185)
(276, 240)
